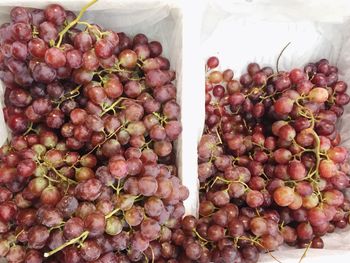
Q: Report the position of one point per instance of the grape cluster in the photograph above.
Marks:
(90, 173)
(270, 164)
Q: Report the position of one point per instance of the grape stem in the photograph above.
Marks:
(19, 233)
(146, 145)
(106, 139)
(96, 146)
(83, 236)
(69, 95)
(279, 56)
(263, 148)
(317, 148)
(74, 22)
(200, 237)
(218, 135)
(30, 128)
(61, 176)
(228, 182)
(111, 107)
(163, 119)
(152, 254)
(57, 226)
(50, 179)
(254, 91)
(305, 251)
(78, 239)
(112, 213)
(90, 26)
(255, 241)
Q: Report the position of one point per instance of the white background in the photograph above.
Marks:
(238, 32)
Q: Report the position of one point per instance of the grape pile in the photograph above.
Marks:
(270, 164)
(89, 174)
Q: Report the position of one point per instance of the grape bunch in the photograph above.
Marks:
(270, 164)
(89, 173)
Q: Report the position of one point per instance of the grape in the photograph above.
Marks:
(83, 174)
(287, 133)
(55, 90)
(118, 168)
(296, 75)
(33, 256)
(67, 205)
(113, 226)
(282, 83)
(317, 242)
(104, 48)
(20, 14)
(258, 226)
(26, 167)
(304, 231)
(236, 99)
(212, 62)
(218, 91)
(283, 196)
(113, 87)
(310, 201)
(55, 14)
(55, 57)
(158, 78)
(138, 243)
(296, 170)
(37, 185)
(21, 31)
(333, 197)
(194, 251)
(128, 58)
(318, 95)
(215, 233)
(316, 216)
(254, 198)
(47, 31)
(73, 228)
(19, 50)
(282, 156)
(18, 123)
(50, 196)
(50, 217)
(82, 76)
(90, 250)
(37, 236)
(327, 168)
(74, 58)
(89, 190)
(269, 242)
(150, 229)
(164, 93)
(43, 73)
(165, 188)
(83, 41)
(283, 105)
(134, 216)
(337, 154)
(16, 254)
(95, 223)
(246, 79)
(147, 185)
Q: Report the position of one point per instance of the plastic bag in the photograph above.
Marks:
(240, 32)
